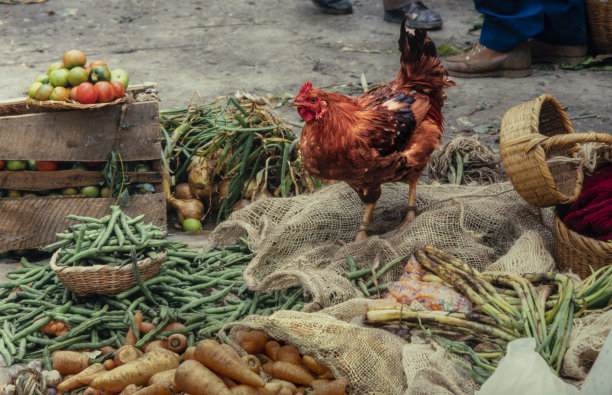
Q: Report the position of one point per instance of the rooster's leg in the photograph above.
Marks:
(365, 222)
(411, 214)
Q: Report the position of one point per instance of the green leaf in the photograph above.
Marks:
(124, 198)
(449, 50)
(481, 129)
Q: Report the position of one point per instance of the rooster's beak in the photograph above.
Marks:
(292, 103)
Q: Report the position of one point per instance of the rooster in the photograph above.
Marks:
(385, 135)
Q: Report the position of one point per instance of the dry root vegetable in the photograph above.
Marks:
(188, 208)
(125, 354)
(212, 355)
(183, 191)
(81, 378)
(251, 341)
(69, 362)
(196, 379)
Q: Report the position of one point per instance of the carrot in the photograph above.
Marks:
(146, 327)
(252, 362)
(166, 377)
(333, 387)
(138, 371)
(289, 353)
(177, 342)
(212, 355)
(126, 354)
(107, 350)
(318, 382)
(155, 344)
(285, 384)
(129, 390)
(269, 389)
(326, 375)
(130, 338)
(69, 362)
(81, 378)
(229, 383)
(230, 350)
(53, 327)
(290, 372)
(91, 391)
(284, 391)
(251, 341)
(155, 389)
(196, 379)
(272, 348)
(189, 353)
(313, 365)
(109, 364)
(173, 326)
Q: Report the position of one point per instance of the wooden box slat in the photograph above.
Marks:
(45, 180)
(83, 135)
(32, 222)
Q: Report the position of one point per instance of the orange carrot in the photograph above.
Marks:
(177, 342)
(272, 348)
(138, 371)
(326, 375)
(155, 389)
(166, 377)
(289, 353)
(314, 365)
(129, 390)
(92, 391)
(284, 391)
(290, 372)
(229, 383)
(107, 350)
(251, 341)
(130, 338)
(196, 379)
(81, 378)
(53, 327)
(252, 362)
(230, 350)
(173, 326)
(333, 387)
(146, 327)
(126, 354)
(212, 355)
(109, 364)
(69, 362)
(189, 353)
(155, 344)
(269, 389)
(285, 384)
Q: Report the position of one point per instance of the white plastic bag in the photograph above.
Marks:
(523, 371)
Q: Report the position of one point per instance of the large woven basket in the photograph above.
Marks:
(579, 253)
(599, 25)
(533, 132)
(104, 279)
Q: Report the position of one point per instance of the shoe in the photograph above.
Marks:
(484, 62)
(542, 52)
(335, 7)
(417, 16)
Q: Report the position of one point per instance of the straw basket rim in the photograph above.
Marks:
(104, 279)
(579, 253)
(71, 104)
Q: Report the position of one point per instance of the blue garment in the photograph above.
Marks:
(509, 22)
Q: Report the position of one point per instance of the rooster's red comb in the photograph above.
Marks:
(305, 88)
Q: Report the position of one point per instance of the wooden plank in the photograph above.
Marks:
(27, 223)
(45, 180)
(83, 135)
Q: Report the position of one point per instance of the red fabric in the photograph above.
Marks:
(591, 214)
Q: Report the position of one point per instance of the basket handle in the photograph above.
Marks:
(561, 140)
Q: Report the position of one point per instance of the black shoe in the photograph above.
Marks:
(336, 7)
(417, 16)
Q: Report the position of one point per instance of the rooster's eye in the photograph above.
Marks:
(313, 99)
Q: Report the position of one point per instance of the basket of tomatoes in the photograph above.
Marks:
(73, 84)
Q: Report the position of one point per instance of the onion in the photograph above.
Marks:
(183, 191)
(200, 177)
(187, 208)
(250, 189)
(241, 204)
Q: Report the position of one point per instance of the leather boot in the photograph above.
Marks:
(484, 62)
(417, 16)
(336, 7)
(542, 52)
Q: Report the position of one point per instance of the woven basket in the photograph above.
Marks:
(599, 25)
(104, 279)
(71, 105)
(533, 132)
(579, 253)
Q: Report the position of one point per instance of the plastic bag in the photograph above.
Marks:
(432, 296)
(523, 371)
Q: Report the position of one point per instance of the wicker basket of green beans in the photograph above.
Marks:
(107, 255)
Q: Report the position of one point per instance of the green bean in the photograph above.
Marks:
(4, 352)
(115, 211)
(123, 219)
(207, 299)
(153, 333)
(41, 323)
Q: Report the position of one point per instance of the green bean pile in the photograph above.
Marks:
(507, 306)
(202, 290)
(245, 147)
(108, 240)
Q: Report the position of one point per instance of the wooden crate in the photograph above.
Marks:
(131, 129)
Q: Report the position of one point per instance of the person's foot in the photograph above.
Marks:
(417, 15)
(542, 52)
(484, 62)
(336, 7)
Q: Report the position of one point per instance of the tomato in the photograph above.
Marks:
(97, 63)
(191, 225)
(104, 192)
(99, 73)
(118, 88)
(60, 94)
(142, 167)
(70, 191)
(16, 165)
(43, 92)
(45, 165)
(105, 90)
(92, 164)
(73, 95)
(1, 164)
(73, 58)
(86, 93)
(91, 191)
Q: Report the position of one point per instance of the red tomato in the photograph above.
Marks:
(118, 88)
(1, 164)
(73, 95)
(86, 93)
(45, 165)
(105, 90)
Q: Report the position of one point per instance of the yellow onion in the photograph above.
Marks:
(200, 177)
(183, 191)
(187, 208)
(241, 204)
(250, 189)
